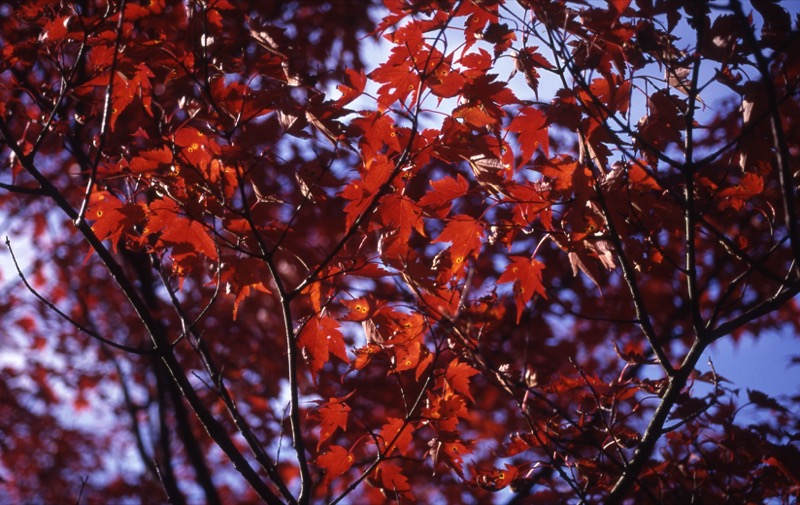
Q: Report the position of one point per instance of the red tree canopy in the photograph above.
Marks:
(483, 268)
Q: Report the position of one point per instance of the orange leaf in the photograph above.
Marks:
(526, 274)
(319, 338)
(333, 415)
(360, 309)
(531, 125)
(357, 81)
(243, 276)
(391, 478)
(457, 376)
(112, 217)
(465, 234)
(398, 433)
(336, 461)
(442, 194)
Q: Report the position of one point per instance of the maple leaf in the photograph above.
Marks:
(391, 478)
(620, 5)
(398, 433)
(378, 131)
(333, 415)
(501, 36)
(446, 82)
(527, 60)
(475, 114)
(526, 274)
(407, 355)
(465, 235)
(446, 410)
(360, 309)
(361, 192)
(490, 94)
(123, 90)
(365, 354)
(111, 217)
(400, 327)
(490, 173)
(187, 237)
(457, 377)
(785, 458)
(450, 450)
(335, 461)
(399, 213)
(357, 81)
(150, 160)
(443, 193)
(495, 479)
(477, 63)
(242, 277)
(398, 74)
(122, 95)
(197, 147)
(567, 174)
(737, 196)
(235, 143)
(320, 338)
(531, 125)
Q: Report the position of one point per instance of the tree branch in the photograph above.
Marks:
(782, 154)
(161, 343)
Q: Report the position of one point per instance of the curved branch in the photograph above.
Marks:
(107, 111)
(655, 429)
(161, 343)
(782, 154)
(83, 329)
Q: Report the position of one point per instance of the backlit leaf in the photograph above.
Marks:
(320, 339)
(526, 274)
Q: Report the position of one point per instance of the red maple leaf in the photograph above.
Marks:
(390, 477)
(465, 234)
(361, 192)
(457, 377)
(378, 131)
(736, 196)
(531, 125)
(333, 415)
(357, 81)
(320, 338)
(335, 461)
(443, 193)
(150, 160)
(398, 433)
(360, 309)
(242, 277)
(187, 237)
(526, 274)
(400, 214)
(112, 217)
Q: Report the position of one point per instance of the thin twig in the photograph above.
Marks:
(782, 154)
(160, 342)
(133, 350)
(107, 111)
(84, 481)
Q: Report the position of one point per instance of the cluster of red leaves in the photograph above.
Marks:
(441, 279)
